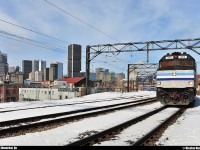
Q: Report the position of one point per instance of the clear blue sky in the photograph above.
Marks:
(124, 20)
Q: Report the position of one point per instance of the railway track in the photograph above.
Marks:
(74, 103)
(37, 118)
(15, 127)
(152, 136)
(148, 139)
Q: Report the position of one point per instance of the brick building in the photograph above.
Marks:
(198, 83)
(9, 92)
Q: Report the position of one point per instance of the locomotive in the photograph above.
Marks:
(176, 78)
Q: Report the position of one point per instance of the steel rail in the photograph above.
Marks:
(17, 129)
(28, 119)
(100, 100)
(150, 134)
(94, 138)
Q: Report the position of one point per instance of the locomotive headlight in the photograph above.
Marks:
(174, 73)
(169, 57)
(158, 83)
(190, 83)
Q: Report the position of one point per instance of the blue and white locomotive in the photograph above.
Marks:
(176, 77)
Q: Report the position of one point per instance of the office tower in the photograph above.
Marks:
(99, 72)
(60, 69)
(38, 65)
(3, 63)
(38, 76)
(26, 68)
(74, 60)
(53, 72)
(46, 74)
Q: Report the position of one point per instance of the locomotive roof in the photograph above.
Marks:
(178, 53)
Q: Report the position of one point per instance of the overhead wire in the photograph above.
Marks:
(117, 59)
(105, 62)
(35, 41)
(47, 45)
(32, 44)
(87, 25)
(33, 31)
(30, 41)
(84, 22)
(114, 66)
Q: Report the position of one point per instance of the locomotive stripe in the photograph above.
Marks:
(160, 77)
(177, 74)
(181, 75)
(186, 76)
(163, 79)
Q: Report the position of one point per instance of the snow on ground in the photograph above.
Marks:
(184, 132)
(131, 134)
(98, 96)
(52, 110)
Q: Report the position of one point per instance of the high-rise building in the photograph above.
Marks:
(99, 72)
(38, 65)
(46, 74)
(3, 63)
(74, 60)
(53, 72)
(60, 69)
(38, 76)
(26, 68)
(102, 73)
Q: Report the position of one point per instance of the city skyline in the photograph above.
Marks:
(31, 64)
(46, 31)
(47, 66)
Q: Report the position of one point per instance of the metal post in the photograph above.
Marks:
(147, 52)
(128, 78)
(4, 93)
(137, 82)
(87, 68)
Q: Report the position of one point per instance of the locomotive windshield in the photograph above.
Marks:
(187, 63)
(176, 64)
(165, 64)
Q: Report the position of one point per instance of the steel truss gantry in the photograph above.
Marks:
(143, 70)
(92, 51)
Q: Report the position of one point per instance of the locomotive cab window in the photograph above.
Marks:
(185, 63)
(175, 64)
(165, 64)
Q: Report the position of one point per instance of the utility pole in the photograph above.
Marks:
(87, 68)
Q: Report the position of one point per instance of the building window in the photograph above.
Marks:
(14, 91)
(7, 92)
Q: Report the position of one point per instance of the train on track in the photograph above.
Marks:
(176, 78)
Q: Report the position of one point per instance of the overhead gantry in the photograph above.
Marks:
(92, 51)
